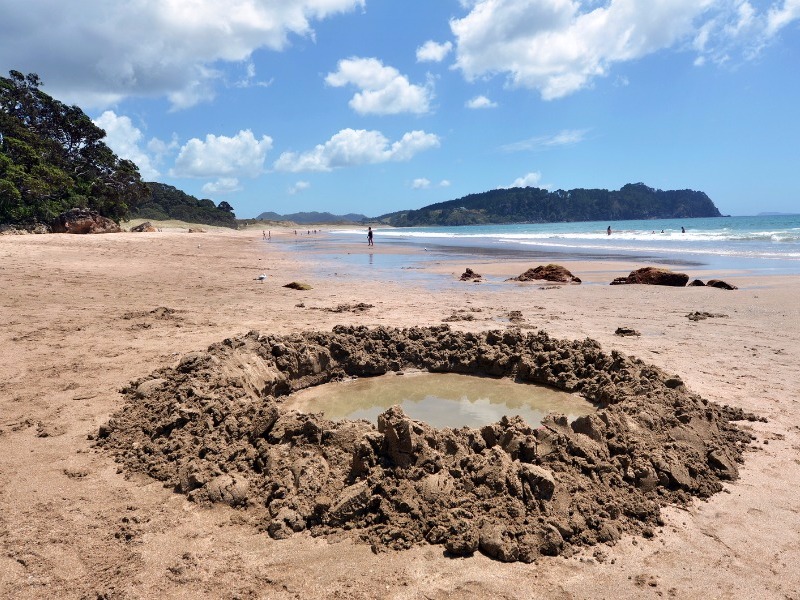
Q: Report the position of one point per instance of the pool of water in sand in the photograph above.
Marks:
(440, 399)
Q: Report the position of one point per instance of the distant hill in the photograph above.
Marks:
(535, 205)
(167, 202)
(309, 218)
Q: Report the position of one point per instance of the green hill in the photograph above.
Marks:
(309, 218)
(535, 205)
(167, 202)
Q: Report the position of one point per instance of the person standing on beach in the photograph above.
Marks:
(369, 237)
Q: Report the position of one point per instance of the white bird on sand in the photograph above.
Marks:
(261, 277)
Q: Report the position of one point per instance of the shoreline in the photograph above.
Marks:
(86, 315)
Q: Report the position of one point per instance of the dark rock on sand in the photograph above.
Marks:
(147, 226)
(470, 275)
(696, 283)
(216, 428)
(83, 220)
(718, 283)
(653, 276)
(626, 331)
(296, 285)
(550, 272)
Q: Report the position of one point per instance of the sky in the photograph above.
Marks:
(374, 106)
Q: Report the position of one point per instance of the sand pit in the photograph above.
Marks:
(215, 429)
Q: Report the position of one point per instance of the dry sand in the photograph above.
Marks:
(79, 321)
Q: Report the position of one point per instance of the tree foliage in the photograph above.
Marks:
(52, 158)
(167, 202)
(535, 205)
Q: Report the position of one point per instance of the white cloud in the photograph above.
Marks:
(481, 102)
(529, 180)
(384, 91)
(221, 156)
(565, 137)
(223, 185)
(299, 187)
(421, 184)
(431, 51)
(444, 183)
(96, 52)
(125, 140)
(561, 46)
(353, 147)
(778, 18)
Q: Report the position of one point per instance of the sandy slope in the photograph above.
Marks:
(77, 323)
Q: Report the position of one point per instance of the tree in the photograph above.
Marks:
(52, 158)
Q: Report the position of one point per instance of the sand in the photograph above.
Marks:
(83, 316)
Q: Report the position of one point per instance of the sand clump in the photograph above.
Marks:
(214, 427)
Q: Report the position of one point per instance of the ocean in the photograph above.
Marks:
(764, 244)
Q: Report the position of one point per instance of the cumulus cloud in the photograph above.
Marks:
(529, 180)
(222, 156)
(444, 183)
(125, 139)
(481, 102)
(384, 91)
(299, 187)
(565, 137)
(353, 147)
(561, 46)
(223, 185)
(96, 52)
(421, 184)
(431, 51)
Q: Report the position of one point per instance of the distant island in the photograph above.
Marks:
(535, 205)
(310, 218)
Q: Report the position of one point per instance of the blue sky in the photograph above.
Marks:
(374, 106)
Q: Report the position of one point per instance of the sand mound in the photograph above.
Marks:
(214, 428)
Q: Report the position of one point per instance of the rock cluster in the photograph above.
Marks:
(550, 272)
(146, 227)
(653, 276)
(83, 220)
(659, 276)
(214, 427)
(470, 275)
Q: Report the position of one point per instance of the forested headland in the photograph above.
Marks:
(53, 158)
(536, 205)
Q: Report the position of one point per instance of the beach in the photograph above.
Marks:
(83, 316)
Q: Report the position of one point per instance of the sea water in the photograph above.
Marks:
(757, 243)
(440, 399)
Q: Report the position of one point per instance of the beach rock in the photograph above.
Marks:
(83, 220)
(296, 285)
(626, 331)
(722, 285)
(696, 283)
(653, 276)
(470, 275)
(147, 226)
(549, 272)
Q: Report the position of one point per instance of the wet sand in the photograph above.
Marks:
(81, 318)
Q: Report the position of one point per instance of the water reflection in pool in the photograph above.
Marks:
(440, 399)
